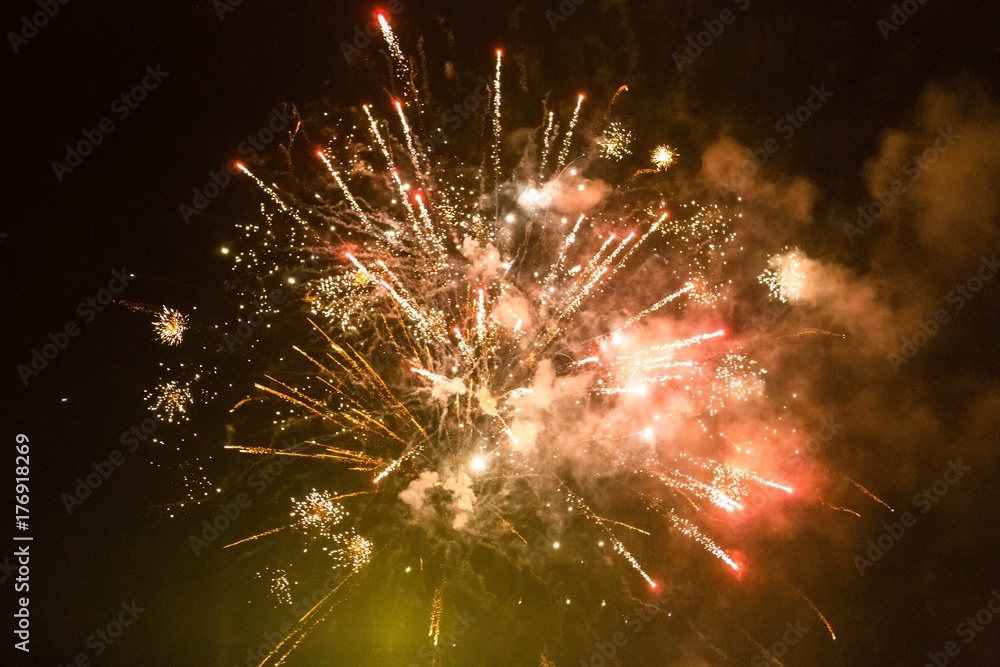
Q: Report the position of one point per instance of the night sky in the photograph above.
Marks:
(906, 402)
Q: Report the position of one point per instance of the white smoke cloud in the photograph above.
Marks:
(459, 487)
(487, 403)
(730, 166)
(444, 389)
(835, 297)
(463, 499)
(569, 194)
(513, 312)
(945, 163)
(485, 261)
(415, 493)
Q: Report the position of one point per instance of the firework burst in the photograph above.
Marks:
(476, 353)
(663, 157)
(784, 277)
(616, 144)
(279, 585)
(170, 326)
(170, 400)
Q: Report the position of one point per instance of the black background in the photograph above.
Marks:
(119, 209)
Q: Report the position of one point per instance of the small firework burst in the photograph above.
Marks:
(663, 157)
(197, 485)
(784, 277)
(279, 585)
(170, 401)
(170, 326)
(737, 378)
(353, 552)
(338, 298)
(318, 513)
(616, 144)
(505, 351)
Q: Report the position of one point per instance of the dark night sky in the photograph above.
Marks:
(119, 209)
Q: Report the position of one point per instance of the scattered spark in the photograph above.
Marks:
(477, 347)
(170, 326)
(784, 277)
(616, 143)
(663, 157)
